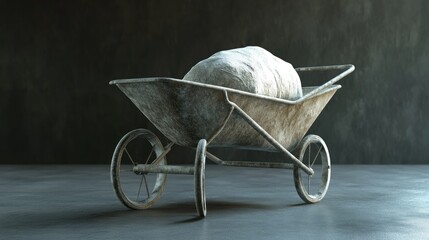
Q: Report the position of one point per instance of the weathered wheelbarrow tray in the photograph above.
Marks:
(195, 115)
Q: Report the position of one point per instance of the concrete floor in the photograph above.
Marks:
(77, 202)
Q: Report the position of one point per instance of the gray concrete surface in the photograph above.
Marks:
(77, 202)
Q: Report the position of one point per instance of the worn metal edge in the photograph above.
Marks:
(165, 79)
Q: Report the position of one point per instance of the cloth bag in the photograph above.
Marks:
(251, 69)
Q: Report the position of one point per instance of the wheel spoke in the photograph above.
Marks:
(318, 152)
(150, 154)
(156, 161)
(145, 183)
(140, 187)
(160, 157)
(129, 156)
(144, 177)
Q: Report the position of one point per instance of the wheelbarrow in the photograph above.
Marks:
(197, 115)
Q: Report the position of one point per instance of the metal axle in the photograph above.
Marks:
(169, 169)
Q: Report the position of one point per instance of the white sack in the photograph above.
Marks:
(250, 69)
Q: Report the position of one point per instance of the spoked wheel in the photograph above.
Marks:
(314, 153)
(134, 189)
(200, 178)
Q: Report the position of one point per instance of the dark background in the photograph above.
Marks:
(57, 57)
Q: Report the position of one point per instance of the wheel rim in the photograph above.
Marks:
(199, 171)
(136, 190)
(315, 155)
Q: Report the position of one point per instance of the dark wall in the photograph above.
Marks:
(57, 57)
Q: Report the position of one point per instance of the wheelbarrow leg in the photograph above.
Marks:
(199, 176)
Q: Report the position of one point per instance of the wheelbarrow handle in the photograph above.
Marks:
(349, 68)
(324, 68)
